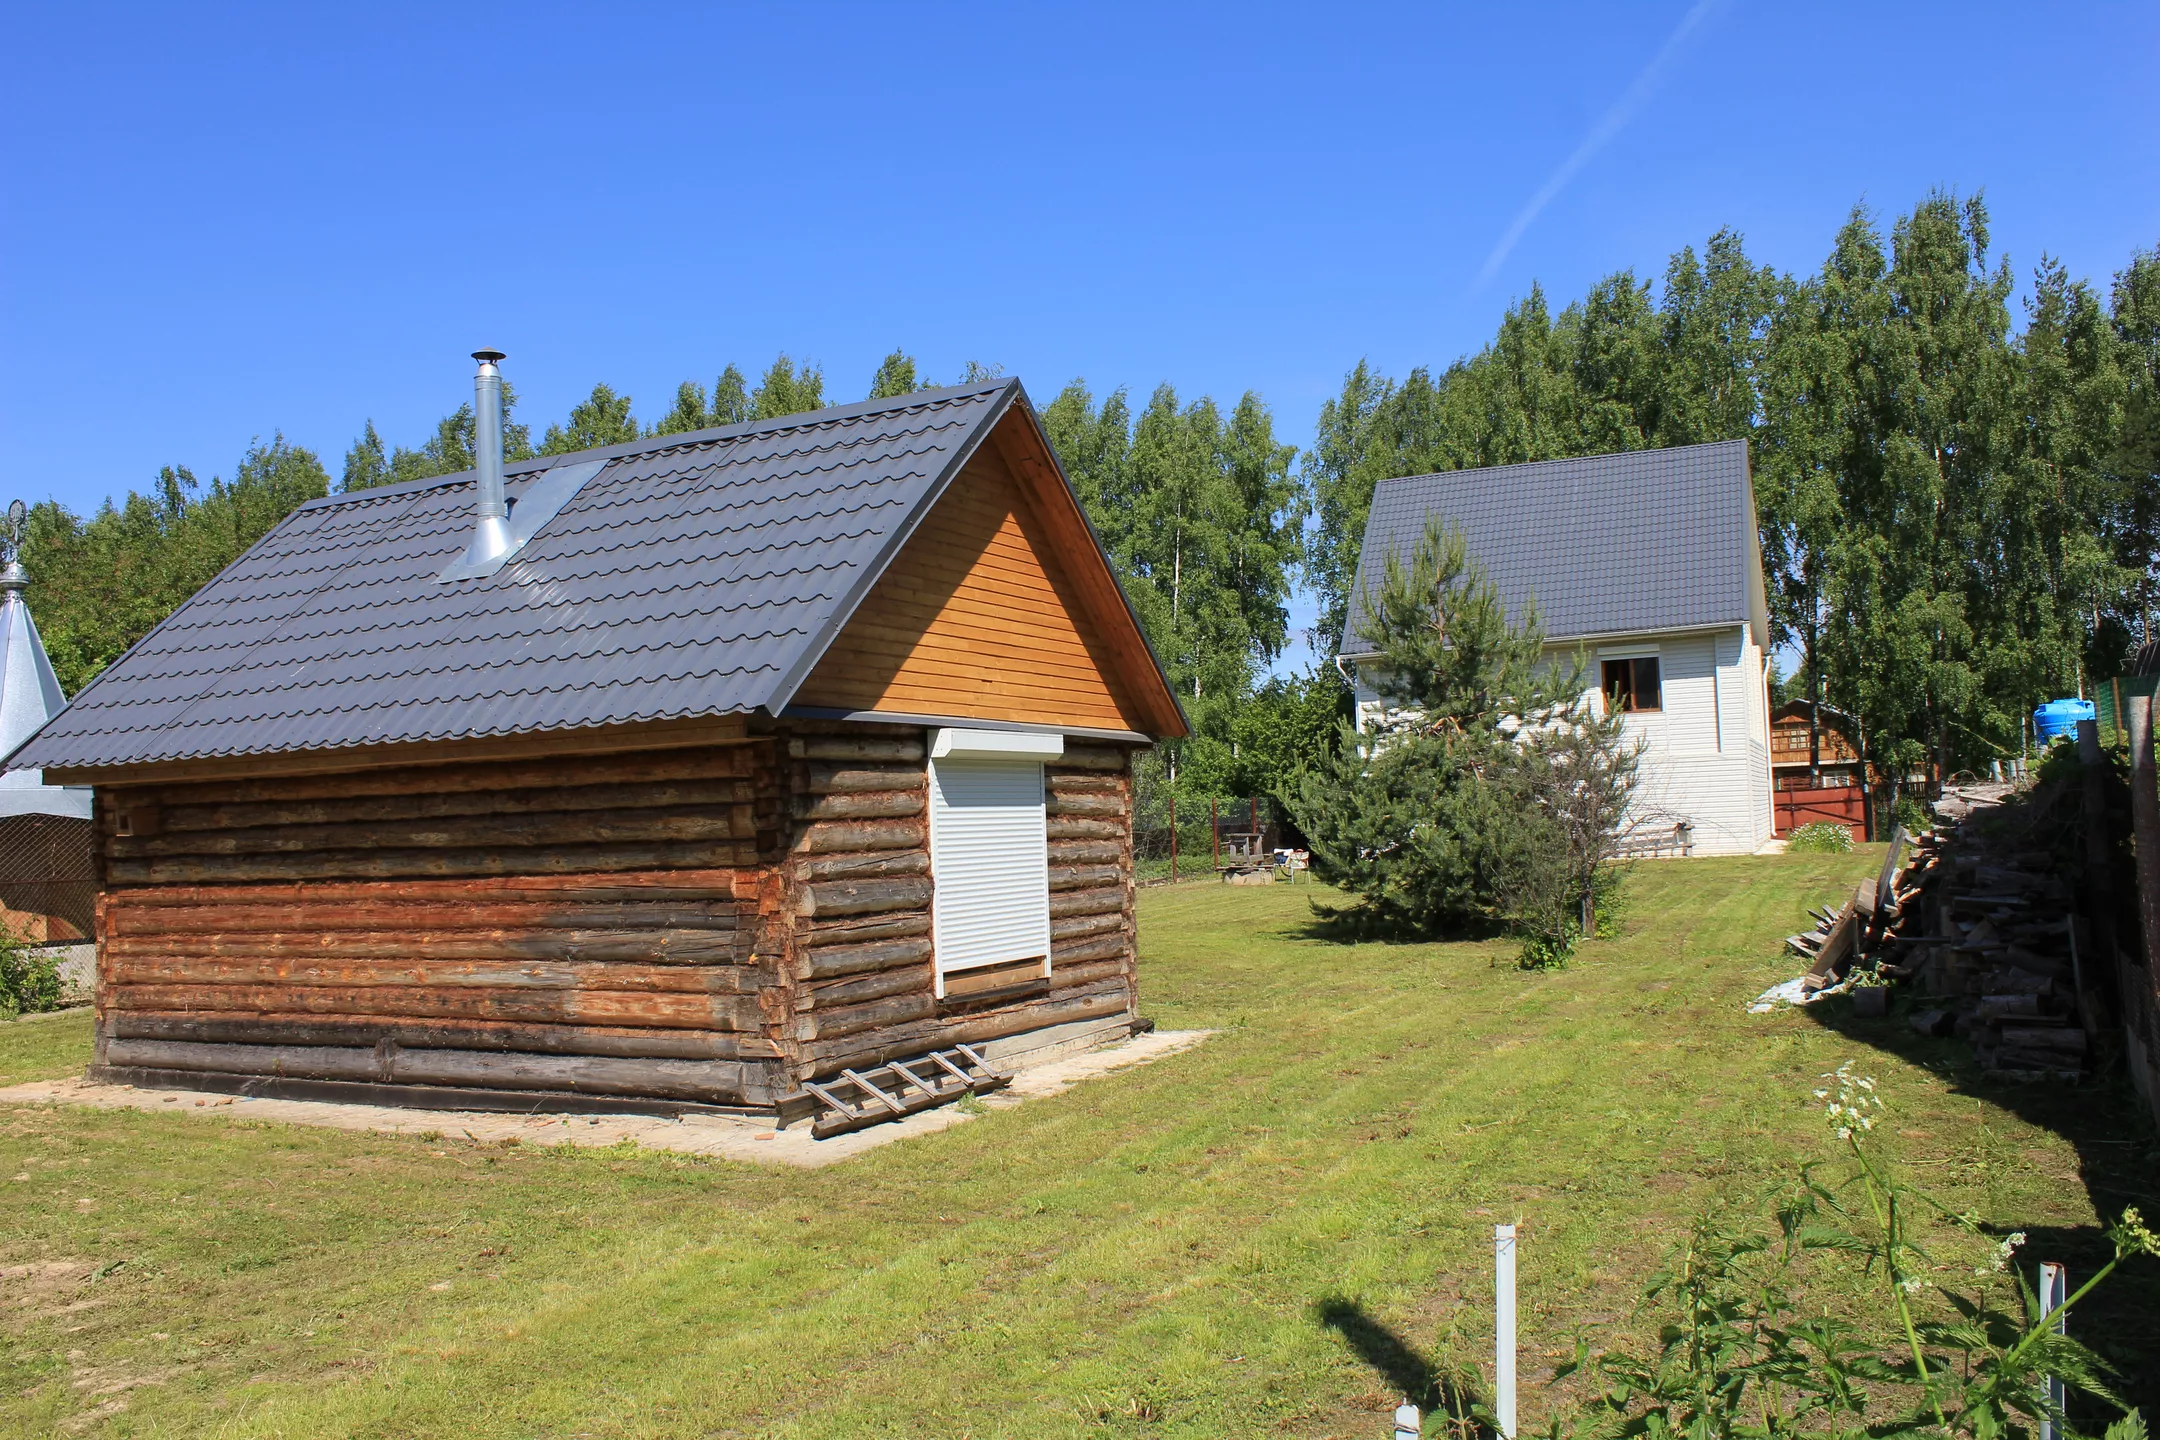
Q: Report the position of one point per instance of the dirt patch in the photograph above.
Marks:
(46, 1288)
(719, 1136)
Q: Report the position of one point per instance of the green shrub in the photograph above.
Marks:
(1820, 838)
(1490, 796)
(29, 980)
(2060, 763)
(1913, 815)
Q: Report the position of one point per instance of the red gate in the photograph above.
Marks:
(1839, 805)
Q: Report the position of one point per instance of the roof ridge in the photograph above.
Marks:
(682, 439)
(1563, 460)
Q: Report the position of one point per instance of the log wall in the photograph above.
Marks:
(711, 925)
(336, 927)
(857, 877)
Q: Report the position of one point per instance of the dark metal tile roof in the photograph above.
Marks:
(696, 575)
(1642, 541)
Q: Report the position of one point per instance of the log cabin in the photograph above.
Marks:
(684, 773)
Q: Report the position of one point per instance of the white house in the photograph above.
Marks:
(1649, 563)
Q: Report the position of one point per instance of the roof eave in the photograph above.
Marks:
(1162, 676)
(1700, 627)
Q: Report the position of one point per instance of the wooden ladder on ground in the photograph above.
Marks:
(855, 1098)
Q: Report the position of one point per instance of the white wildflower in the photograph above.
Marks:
(1847, 1106)
(1912, 1284)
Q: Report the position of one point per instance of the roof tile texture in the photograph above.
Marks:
(685, 579)
(1642, 541)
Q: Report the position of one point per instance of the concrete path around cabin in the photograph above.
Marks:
(724, 1137)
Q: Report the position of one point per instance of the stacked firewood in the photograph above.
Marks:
(1979, 923)
(2001, 965)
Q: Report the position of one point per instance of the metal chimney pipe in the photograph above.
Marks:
(491, 523)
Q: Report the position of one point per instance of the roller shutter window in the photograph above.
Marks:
(990, 862)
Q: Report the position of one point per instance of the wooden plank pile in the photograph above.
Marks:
(1980, 924)
(1859, 928)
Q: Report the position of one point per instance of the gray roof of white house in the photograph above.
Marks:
(695, 575)
(1627, 544)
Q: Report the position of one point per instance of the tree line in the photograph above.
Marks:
(1960, 515)
(1960, 505)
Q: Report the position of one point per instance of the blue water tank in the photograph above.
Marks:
(2059, 718)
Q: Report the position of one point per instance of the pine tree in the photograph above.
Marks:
(1488, 790)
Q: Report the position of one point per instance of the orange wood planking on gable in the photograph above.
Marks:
(975, 618)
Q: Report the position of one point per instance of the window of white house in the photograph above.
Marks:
(1632, 685)
(989, 849)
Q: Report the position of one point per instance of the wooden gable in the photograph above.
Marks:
(1789, 737)
(981, 616)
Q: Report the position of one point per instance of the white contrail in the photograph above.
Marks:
(1609, 125)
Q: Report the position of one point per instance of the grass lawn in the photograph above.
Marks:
(1271, 1234)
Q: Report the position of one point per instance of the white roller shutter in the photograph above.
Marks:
(989, 855)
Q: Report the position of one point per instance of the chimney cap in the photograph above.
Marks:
(487, 357)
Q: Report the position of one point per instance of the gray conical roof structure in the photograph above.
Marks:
(29, 696)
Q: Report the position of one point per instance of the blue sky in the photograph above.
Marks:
(219, 222)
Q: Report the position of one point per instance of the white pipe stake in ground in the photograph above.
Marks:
(1503, 1247)
(1409, 1425)
(2054, 1290)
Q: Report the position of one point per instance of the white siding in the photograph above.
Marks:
(1706, 759)
(989, 863)
(1687, 674)
(1706, 752)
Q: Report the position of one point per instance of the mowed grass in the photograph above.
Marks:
(37, 1047)
(1225, 1242)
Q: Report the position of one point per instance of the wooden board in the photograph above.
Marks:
(1839, 943)
(977, 617)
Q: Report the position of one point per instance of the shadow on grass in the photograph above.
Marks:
(1395, 1360)
(2118, 1160)
(1361, 924)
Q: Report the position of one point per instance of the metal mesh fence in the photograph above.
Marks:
(47, 873)
(1210, 833)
